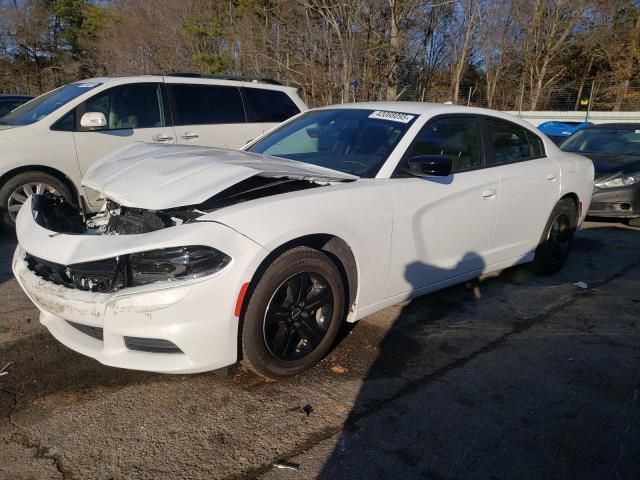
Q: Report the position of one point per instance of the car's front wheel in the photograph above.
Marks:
(557, 238)
(16, 190)
(293, 315)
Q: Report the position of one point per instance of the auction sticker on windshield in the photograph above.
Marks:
(393, 116)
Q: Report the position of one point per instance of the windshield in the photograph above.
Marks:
(352, 141)
(42, 106)
(610, 141)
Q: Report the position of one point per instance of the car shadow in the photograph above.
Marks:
(398, 352)
(426, 409)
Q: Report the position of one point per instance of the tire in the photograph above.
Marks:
(280, 337)
(555, 243)
(27, 180)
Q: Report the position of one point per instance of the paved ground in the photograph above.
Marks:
(513, 376)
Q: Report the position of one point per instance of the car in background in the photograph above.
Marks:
(47, 144)
(201, 257)
(614, 149)
(558, 132)
(10, 102)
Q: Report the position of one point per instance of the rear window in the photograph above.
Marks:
(207, 104)
(268, 105)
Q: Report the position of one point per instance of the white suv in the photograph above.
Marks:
(48, 143)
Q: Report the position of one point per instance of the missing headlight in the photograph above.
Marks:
(177, 263)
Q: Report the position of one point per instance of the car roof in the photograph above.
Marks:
(217, 80)
(616, 126)
(431, 109)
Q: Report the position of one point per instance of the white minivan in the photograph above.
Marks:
(48, 143)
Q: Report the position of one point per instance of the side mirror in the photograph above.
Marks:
(430, 165)
(93, 120)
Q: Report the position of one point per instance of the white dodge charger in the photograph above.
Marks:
(201, 257)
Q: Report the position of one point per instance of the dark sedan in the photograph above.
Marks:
(614, 149)
(11, 102)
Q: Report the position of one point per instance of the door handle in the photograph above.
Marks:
(190, 135)
(490, 193)
(551, 177)
(162, 137)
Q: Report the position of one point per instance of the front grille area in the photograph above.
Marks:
(155, 345)
(101, 276)
(94, 332)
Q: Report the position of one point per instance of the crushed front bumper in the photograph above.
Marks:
(183, 326)
(619, 203)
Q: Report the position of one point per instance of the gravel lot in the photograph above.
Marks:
(511, 376)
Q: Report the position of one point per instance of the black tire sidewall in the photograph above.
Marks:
(543, 262)
(23, 178)
(255, 352)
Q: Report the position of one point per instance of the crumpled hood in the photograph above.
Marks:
(157, 177)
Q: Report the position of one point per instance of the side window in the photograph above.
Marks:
(66, 123)
(512, 143)
(207, 104)
(457, 138)
(6, 107)
(138, 105)
(268, 105)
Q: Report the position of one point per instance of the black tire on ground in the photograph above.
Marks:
(557, 237)
(634, 222)
(26, 178)
(280, 326)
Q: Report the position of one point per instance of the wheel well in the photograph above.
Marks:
(40, 168)
(334, 247)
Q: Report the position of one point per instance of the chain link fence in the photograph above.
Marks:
(584, 96)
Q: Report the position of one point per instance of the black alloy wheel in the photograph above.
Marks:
(293, 312)
(557, 238)
(298, 316)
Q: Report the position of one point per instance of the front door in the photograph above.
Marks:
(134, 113)
(443, 226)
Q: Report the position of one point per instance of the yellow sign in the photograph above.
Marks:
(584, 102)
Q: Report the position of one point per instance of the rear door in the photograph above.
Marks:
(443, 226)
(529, 187)
(209, 115)
(267, 108)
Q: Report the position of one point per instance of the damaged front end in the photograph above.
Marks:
(54, 213)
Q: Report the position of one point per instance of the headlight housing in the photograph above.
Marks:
(619, 180)
(176, 263)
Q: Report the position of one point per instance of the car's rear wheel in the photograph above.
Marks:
(293, 315)
(16, 190)
(555, 244)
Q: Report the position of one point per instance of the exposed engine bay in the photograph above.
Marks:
(54, 213)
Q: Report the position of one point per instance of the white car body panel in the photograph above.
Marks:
(408, 236)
